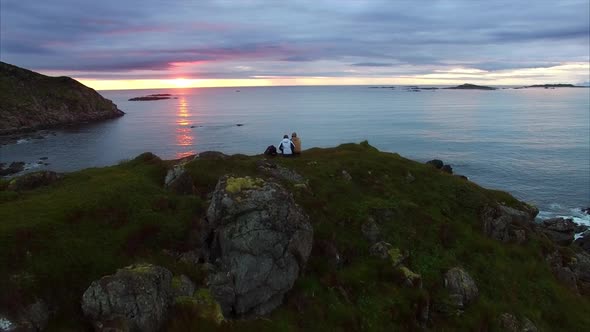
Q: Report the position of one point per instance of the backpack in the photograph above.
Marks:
(271, 150)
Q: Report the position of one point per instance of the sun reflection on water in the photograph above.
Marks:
(184, 135)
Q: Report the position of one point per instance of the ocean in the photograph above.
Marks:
(533, 143)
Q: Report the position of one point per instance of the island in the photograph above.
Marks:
(30, 101)
(468, 86)
(346, 238)
(553, 86)
(155, 96)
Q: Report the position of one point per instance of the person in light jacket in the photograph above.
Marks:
(296, 142)
(286, 146)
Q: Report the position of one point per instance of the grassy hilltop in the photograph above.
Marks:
(55, 240)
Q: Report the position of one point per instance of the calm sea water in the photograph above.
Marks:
(534, 143)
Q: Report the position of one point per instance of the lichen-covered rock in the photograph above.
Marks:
(202, 304)
(462, 288)
(261, 242)
(33, 180)
(506, 224)
(138, 297)
(410, 278)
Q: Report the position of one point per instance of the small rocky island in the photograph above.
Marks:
(552, 86)
(30, 101)
(468, 86)
(155, 96)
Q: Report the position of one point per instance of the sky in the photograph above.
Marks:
(124, 44)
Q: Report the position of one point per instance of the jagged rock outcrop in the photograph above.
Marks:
(260, 242)
(572, 271)
(137, 298)
(507, 224)
(30, 101)
(462, 288)
(559, 230)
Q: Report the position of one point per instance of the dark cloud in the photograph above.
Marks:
(371, 64)
(323, 38)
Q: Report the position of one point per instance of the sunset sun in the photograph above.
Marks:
(181, 82)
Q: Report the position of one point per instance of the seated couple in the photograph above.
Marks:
(290, 147)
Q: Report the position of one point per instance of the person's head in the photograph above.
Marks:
(294, 134)
(286, 136)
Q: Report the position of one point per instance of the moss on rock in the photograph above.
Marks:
(202, 304)
(235, 185)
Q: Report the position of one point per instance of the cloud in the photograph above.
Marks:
(302, 38)
(371, 64)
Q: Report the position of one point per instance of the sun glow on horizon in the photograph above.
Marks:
(564, 73)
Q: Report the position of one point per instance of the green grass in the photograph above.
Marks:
(55, 240)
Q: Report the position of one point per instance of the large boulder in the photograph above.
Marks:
(137, 298)
(260, 242)
(559, 230)
(506, 224)
(33, 180)
(462, 288)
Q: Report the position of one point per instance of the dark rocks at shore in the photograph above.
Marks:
(447, 169)
(31, 101)
(156, 96)
(559, 230)
(260, 244)
(584, 241)
(507, 224)
(468, 86)
(13, 168)
(586, 210)
(438, 164)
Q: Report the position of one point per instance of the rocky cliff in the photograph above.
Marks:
(30, 101)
